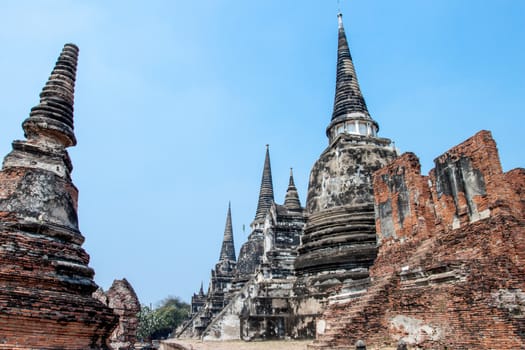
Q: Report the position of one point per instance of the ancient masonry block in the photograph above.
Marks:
(295, 258)
(123, 300)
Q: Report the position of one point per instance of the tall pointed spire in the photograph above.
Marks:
(201, 290)
(228, 248)
(349, 103)
(291, 200)
(348, 96)
(266, 192)
(52, 118)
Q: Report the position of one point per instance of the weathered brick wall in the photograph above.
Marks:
(516, 181)
(466, 181)
(403, 202)
(452, 289)
(123, 300)
(450, 269)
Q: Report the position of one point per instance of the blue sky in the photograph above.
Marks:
(175, 101)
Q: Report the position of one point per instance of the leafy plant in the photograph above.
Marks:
(159, 323)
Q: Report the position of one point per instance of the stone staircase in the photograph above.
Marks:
(349, 316)
(353, 309)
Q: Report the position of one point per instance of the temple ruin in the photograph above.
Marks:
(279, 290)
(381, 254)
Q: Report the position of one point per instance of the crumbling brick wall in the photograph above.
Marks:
(450, 268)
(467, 183)
(403, 201)
(123, 300)
(515, 179)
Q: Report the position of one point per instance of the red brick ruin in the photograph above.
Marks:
(123, 300)
(450, 267)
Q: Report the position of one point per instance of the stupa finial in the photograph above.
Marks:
(52, 118)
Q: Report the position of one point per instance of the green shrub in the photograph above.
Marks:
(160, 322)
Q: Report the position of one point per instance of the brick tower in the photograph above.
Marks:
(45, 281)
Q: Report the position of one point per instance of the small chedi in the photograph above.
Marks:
(46, 285)
(205, 307)
(221, 280)
(381, 255)
(250, 255)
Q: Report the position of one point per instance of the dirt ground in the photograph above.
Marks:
(241, 345)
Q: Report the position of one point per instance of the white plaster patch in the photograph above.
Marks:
(456, 223)
(415, 331)
(511, 300)
(309, 306)
(320, 326)
(480, 216)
